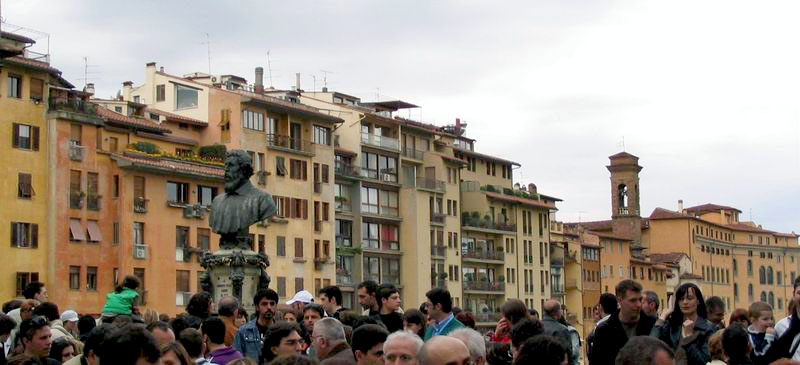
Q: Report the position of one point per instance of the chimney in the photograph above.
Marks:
(297, 81)
(680, 206)
(324, 89)
(458, 123)
(161, 69)
(127, 86)
(89, 89)
(259, 87)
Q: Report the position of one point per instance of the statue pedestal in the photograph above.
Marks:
(235, 272)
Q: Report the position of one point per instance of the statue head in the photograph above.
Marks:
(238, 169)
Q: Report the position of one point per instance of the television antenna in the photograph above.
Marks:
(269, 69)
(325, 77)
(208, 48)
(86, 71)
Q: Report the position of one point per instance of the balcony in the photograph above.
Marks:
(478, 254)
(485, 286)
(93, 202)
(488, 317)
(289, 144)
(472, 221)
(140, 205)
(430, 184)
(76, 199)
(343, 204)
(413, 153)
(72, 105)
(556, 260)
(344, 277)
(76, 152)
(344, 241)
(140, 251)
(194, 211)
(384, 245)
(386, 175)
(438, 251)
(557, 290)
(383, 211)
(346, 170)
(319, 262)
(437, 218)
(380, 141)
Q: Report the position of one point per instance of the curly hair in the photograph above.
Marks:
(244, 161)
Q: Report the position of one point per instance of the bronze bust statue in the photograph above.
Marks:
(242, 204)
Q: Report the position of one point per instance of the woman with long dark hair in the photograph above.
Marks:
(683, 326)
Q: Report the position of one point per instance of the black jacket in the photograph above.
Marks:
(782, 347)
(610, 336)
(695, 346)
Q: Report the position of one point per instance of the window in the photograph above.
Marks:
(160, 92)
(280, 246)
(181, 243)
(138, 233)
(136, 98)
(14, 86)
(25, 137)
(91, 278)
(344, 231)
(24, 235)
(298, 284)
(177, 192)
(253, 120)
(298, 247)
(325, 173)
(205, 195)
(322, 135)
(115, 234)
(23, 279)
(37, 89)
(182, 284)
(750, 268)
(75, 278)
(24, 186)
(298, 169)
(185, 97)
(118, 109)
(280, 167)
(203, 239)
(282, 286)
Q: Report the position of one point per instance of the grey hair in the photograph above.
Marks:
(403, 335)
(330, 328)
(474, 341)
(642, 350)
(652, 297)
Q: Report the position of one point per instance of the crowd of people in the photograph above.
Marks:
(631, 329)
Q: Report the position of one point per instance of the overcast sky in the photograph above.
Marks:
(704, 92)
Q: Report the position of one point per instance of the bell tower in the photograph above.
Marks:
(625, 213)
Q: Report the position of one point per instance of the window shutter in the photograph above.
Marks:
(13, 234)
(305, 208)
(35, 138)
(304, 165)
(293, 208)
(15, 135)
(34, 235)
(298, 247)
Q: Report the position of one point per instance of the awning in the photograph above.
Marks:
(76, 230)
(94, 232)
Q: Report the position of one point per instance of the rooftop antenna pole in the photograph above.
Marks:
(85, 70)
(208, 47)
(269, 68)
(325, 77)
(314, 77)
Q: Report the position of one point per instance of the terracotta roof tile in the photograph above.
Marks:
(710, 208)
(622, 155)
(44, 66)
(129, 121)
(484, 156)
(610, 235)
(593, 226)
(516, 199)
(173, 165)
(668, 258)
(661, 213)
(176, 117)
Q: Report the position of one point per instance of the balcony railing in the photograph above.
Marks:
(343, 204)
(93, 202)
(72, 105)
(140, 205)
(76, 199)
(344, 241)
(391, 212)
(344, 169)
(76, 152)
(289, 144)
(413, 153)
(475, 221)
(438, 250)
(482, 254)
(488, 317)
(439, 283)
(493, 286)
(437, 217)
(382, 245)
(344, 277)
(380, 141)
(556, 290)
(386, 175)
(430, 184)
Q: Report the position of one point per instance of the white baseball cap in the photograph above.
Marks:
(69, 315)
(301, 296)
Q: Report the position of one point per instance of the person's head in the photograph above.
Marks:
(328, 333)
(86, 324)
(281, 338)
(688, 302)
(35, 335)
(35, 290)
(243, 361)
(645, 350)
(715, 346)
(389, 298)
(736, 343)
(129, 282)
(95, 340)
(498, 353)
(440, 303)
(131, 344)
(238, 169)
(740, 315)
(150, 315)
(474, 342)
(524, 330)
(70, 321)
(62, 350)
(552, 308)
(444, 350)
(414, 321)
(161, 332)
(300, 300)
(514, 310)
(265, 301)
(534, 314)
(174, 354)
(47, 310)
(242, 317)
(200, 305)
(401, 348)
(761, 316)
(163, 317)
(608, 304)
(367, 292)
(367, 343)
(542, 349)
(330, 297)
(192, 341)
(629, 295)
(716, 310)
(650, 303)
(7, 324)
(311, 314)
(290, 316)
(292, 360)
(466, 318)
(213, 330)
(228, 306)
(26, 308)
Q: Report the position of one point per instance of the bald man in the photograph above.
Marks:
(228, 310)
(551, 314)
(443, 350)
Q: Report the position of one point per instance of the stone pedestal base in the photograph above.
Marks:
(235, 272)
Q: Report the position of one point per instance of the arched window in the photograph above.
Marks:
(750, 292)
(769, 276)
(622, 198)
(749, 267)
(762, 276)
(771, 299)
(763, 297)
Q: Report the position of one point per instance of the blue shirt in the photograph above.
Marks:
(437, 328)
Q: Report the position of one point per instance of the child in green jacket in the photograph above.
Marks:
(123, 300)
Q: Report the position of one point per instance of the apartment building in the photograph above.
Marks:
(26, 78)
